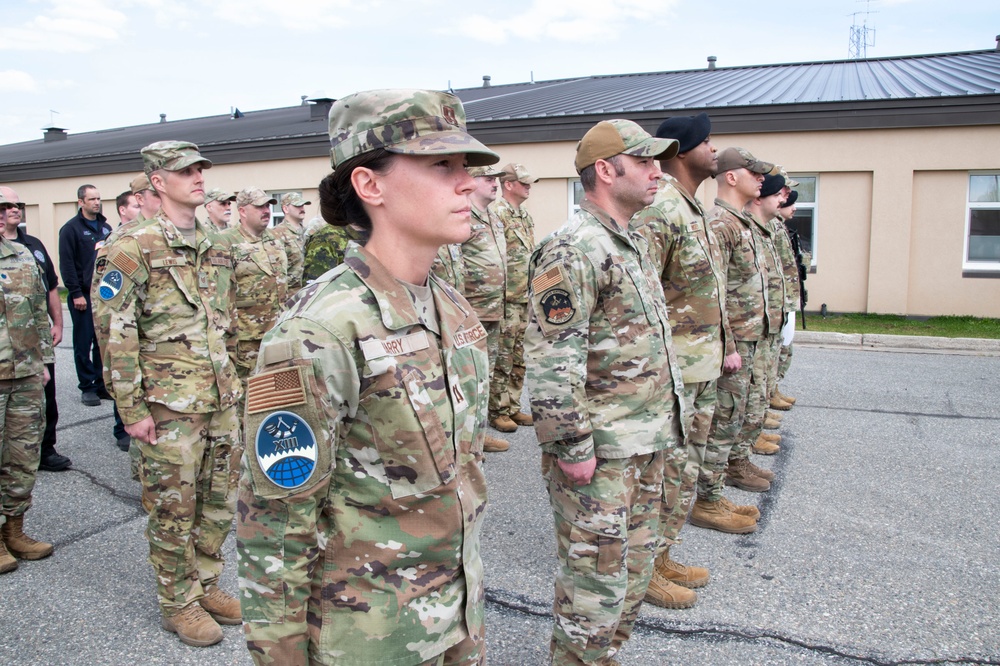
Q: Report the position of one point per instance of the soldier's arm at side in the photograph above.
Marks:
(556, 347)
(41, 317)
(278, 531)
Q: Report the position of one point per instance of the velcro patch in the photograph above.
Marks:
(549, 278)
(220, 261)
(275, 389)
(125, 262)
(111, 285)
(470, 336)
(286, 449)
(407, 344)
(557, 306)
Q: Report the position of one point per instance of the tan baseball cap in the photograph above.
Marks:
(140, 184)
(620, 137)
(253, 196)
(740, 158)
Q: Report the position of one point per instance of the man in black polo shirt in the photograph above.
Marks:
(78, 241)
(51, 461)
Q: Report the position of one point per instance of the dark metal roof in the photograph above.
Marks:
(948, 89)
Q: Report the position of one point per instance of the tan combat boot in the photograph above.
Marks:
(715, 516)
(7, 561)
(740, 474)
(771, 424)
(666, 594)
(504, 423)
(223, 608)
(778, 403)
(20, 544)
(495, 445)
(522, 419)
(193, 626)
(685, 576)
(741, 509)
(777, 416)
(765, 447)
(765, 474)
(772, 437)
(787, 398)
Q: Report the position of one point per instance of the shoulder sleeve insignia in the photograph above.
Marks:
(275, 389)
(111, 284)
(557, 306)
(549, 278)
(286, 449)
(125, 262)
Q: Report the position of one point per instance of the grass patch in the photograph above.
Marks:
(943, 327)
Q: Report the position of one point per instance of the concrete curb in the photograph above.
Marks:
(899, 343)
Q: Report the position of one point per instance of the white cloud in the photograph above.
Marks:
(563, 20)
(12, 80)
(300, 15)
(67, 26)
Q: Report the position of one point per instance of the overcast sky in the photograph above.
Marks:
(101, 64)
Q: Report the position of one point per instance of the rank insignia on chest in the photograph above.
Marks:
(286, 449)
(557, 306)
(111, 284)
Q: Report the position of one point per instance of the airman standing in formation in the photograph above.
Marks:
(166, 305)
(25, 349)
(519, 234)
(606, 390)
(290, 233)
(219, 207)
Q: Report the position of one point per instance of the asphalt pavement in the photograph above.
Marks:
(878, 542)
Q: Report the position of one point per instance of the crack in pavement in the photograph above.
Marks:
(127, 498)
(902, 413)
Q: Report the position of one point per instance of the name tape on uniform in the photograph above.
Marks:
(406, 344)
(469, 336)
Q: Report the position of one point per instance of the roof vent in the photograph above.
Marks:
(711, 62)
(54, 133)
(998, 42)
(304, 98)
(486, 81)
(320, 106)
(163, 117)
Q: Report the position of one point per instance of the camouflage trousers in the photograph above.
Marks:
(508, 373)
(784, 362)
(469, 652)
(607, 534)
(727, 421)
(189, 483)
(493, 332)
(759, 398)
(22, 423)
(685, 468)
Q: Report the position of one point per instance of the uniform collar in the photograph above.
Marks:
(175, 238)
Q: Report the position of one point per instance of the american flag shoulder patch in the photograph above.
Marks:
(126, 263)
(275, 389)
(549, 278)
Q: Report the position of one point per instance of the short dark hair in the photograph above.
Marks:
(122, 199)
(81, 191)
(588, 177)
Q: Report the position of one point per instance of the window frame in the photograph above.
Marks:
(975, 265)
(277, 215)
(571, 185)
(814, 207)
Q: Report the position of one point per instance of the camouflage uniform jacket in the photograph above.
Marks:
(603, 375)
(101, 316)
(373, 557)
(789, 268)
(746, 277)
(25, 337)
(261, 271)
(775, 303)
(291, 238)
(687, 256)
(519, 233)
(325, 249)
(485, 255)
(165, 314)
(449, 265)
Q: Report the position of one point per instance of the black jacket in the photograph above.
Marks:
(77, 251)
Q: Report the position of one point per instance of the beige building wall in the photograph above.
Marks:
(890, 207)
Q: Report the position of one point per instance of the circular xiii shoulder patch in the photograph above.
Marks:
(557, 306)
(286, 449)
(111, 284)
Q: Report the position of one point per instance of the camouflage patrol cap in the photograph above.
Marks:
(788, 181)
(487, 171)
(294, 199)
(616, 137)
(253, 196)
(514, 171)
(140, 184)
(219, 194)
(172, 156)
(402, 121)
(740, 158)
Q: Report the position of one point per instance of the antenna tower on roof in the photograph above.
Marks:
(862, 36)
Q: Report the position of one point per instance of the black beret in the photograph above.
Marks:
(688, 130)
(771, 185)
(792, 198)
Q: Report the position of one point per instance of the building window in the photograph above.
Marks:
(806, 212)
(277, 215)
(982, 227)
(575, 195)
